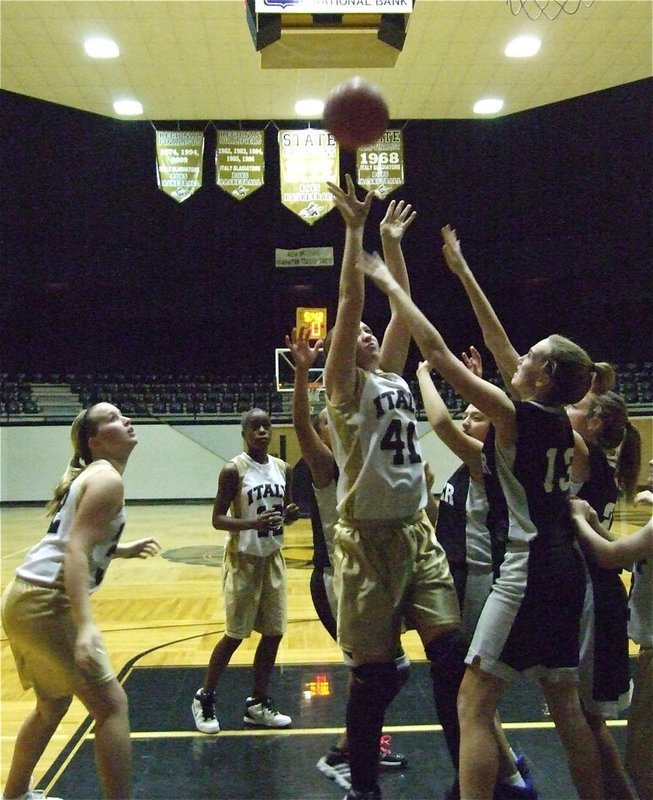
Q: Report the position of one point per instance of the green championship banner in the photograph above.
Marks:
(380, 166)
(179, 157)
(308, 159)
(240, 162)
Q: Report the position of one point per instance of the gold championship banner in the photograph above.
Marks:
(380, 166)
(179, 157)
(240, 162)
(308, 159)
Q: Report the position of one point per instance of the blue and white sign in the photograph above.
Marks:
(334, 6)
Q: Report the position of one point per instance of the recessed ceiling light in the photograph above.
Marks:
(128, 108)
(522, 47)
(490, 105)
(309, 108)
(101, 47)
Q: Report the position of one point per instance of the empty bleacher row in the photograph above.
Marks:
(25, 395)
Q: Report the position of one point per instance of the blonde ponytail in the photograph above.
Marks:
(81, 430)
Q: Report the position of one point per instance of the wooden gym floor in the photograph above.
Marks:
(161, 618)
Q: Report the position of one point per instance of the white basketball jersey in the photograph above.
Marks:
(262, 488)
(43, 564)
(374, 440)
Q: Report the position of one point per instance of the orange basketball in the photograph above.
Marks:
(356, 113)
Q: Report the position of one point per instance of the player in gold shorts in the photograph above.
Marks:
(388, 564)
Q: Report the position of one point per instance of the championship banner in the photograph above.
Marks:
(380, 166)
(307, 160)
(240, 162)
(179, 157)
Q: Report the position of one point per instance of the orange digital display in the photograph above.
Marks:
(315, 319)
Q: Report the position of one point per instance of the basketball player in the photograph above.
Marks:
(472, 526)
(635, 552)
(315, 446)
(601, 421)
(517, 631)
(613, 464)
(47, 614)
(257, 488)
(388, 564)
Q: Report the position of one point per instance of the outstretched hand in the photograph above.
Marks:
(354, 211)
(299, 345)
(473, 361)
(139, 548)
(375, 268)
(452, 251)
(397, 219)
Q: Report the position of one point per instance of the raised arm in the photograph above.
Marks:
(465, 447)
(485, 396)
(314, 451)
(494, 334)
(396, 339)
(340, 369)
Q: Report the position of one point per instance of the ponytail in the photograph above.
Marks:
(81, 430)
(627, 470)
(603, 377)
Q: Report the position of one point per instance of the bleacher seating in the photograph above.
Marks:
(208, 396)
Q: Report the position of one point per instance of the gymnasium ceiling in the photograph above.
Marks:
(187, 60)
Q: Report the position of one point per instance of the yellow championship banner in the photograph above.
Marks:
(308, 158)
(380, 166)
(179, 157)
(240, 162)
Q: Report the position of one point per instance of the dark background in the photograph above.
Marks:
(101, 271)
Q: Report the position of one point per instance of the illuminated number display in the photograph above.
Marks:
(315, 319)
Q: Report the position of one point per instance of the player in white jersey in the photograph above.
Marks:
(46, 610)
(315, 446)
(517, 631)
(388, 564)
(633, 551)
(256, 488)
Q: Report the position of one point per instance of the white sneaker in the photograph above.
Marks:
(203, 709)
(264, 713)
(34, 794)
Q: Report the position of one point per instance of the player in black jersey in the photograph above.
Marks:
(614, 449)
(472, 526)
(531, 618)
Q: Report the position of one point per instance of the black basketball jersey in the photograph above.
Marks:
(451, 526)
(601, 490)
(536, 483)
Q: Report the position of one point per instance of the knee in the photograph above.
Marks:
(380, 682)
(446, 652)
(111, 702)
(52, 711)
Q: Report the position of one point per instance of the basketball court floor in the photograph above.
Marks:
(161, 618)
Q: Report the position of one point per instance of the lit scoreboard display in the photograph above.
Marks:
(315, 319)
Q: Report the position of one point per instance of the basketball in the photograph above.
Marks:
(355, 113)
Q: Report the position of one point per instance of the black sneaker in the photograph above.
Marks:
(203, 709)
(389, 760)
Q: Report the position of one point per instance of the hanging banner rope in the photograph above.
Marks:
(240, 162)
(380, 166)
(179, 157)
(308, 159)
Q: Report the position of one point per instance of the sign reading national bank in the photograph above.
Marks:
(331, 6)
